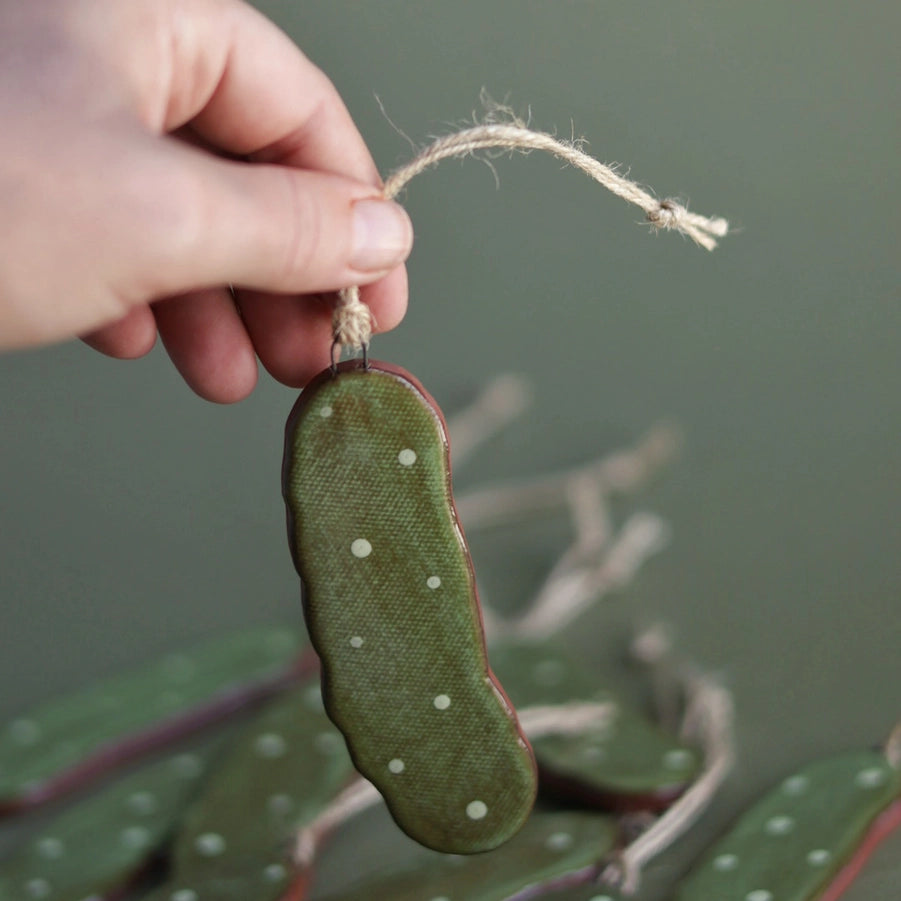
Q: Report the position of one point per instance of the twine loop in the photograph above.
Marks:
(502, 130)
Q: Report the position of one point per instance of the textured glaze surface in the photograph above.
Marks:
(235, 842)
(550, 844)
(390, 601)
(626, 763)
(795, 840)
(98, 846)
(42, 744)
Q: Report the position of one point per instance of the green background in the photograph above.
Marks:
(136, 517)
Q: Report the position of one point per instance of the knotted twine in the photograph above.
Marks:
(352, 321)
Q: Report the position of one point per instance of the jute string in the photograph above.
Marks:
(710, 720)
(352, 321)
(893, 748)
(710, 707)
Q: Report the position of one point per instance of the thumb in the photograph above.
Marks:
(277, 229)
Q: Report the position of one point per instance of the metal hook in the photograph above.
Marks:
(336, 355)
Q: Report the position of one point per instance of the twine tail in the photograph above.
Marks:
(352, 320)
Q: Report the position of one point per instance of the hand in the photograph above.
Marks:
(154, 152)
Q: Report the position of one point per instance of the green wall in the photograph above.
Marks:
(135, 516)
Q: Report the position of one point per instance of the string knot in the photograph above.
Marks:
(352, 320)
(703, 230)
(668, 214)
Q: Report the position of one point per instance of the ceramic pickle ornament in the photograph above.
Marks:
(389, 593)
(234, 843)
(65, 743)
(626, 764)
(98, 848)
(391, 605)
(807, 839)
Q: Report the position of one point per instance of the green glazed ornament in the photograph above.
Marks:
(550, 845)
(807, 838)
(391, 605)
(97, 848)
(626, 763)
(235, 842)
(67, 742)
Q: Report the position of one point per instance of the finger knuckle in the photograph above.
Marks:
(304, 244)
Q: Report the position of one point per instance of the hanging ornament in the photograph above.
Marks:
(388, 588)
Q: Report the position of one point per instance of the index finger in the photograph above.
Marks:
(245, 87)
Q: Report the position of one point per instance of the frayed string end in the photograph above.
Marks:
(671, 215)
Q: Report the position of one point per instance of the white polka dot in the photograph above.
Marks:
(725, 863)
(270, 745)
(187, 766)
(818, 857)
(441, 702)
(275, 872)
(210, 844)
(135, 837)
(476, 810)
(328, 743)
(356, 642)
(184, 894)
(51, 848)
(360, 547)
(24, 732)
(796, 785)
(433, 582)
(440, 898)
(38, 888)
(874, 777)
(396, 766)
(780, 825)
(142, 803)
(280, 804)
(406, 457)
(678, 759)
(601, 898)
(558, 841)
(325, 411)
(760, 894)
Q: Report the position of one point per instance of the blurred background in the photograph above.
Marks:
(136, 517)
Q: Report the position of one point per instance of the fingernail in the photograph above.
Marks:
(382, 235)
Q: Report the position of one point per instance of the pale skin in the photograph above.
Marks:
(179, 168)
